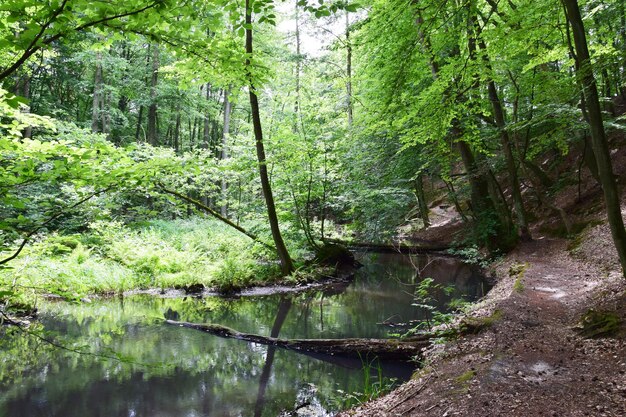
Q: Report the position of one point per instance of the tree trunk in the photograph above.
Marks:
(97, 93)
(349, 71)
(421, 199)
(420, 246)
(483, 208)
(206, 131)
(622, 18)
(106, 114)
(28, 131)
(498, 114)
(286, 263)
(383, 349)
(139, 123)
(153, 134)
(228, 107)
(598, 135)
(213, 213)
(194, 134)
(177, 131)
(298, 63)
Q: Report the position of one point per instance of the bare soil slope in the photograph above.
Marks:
(531, 361)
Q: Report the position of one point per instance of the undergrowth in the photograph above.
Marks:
(374, 385)
(112, 258)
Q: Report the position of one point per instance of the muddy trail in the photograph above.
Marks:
(531, 360)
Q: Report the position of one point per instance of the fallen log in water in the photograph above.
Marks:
(384, 349)
(421, 247)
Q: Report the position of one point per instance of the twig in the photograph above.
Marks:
(412, 394)
(214, 214)
(50, 220)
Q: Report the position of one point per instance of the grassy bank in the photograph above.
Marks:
(112, 258)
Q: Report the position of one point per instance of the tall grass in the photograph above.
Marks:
(112, 258)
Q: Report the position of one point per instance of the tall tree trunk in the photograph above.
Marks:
(228, 107)
(498, 114)
(298, 63)
(421, 199)
(483, 207)
(598, 135)
(206, 132)
(106, 114)
(97, 93)
(153, 134)
(28, 131)
(194, 134)
(139, 123)
(349, 70)
(622, 18)
(285, 260)
(177, 131)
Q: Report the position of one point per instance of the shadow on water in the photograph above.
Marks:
(170, 371)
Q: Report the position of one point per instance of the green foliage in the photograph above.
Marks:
(13, 118)
(103, 69)
(598, 324)
(15, 303)
(374, 385)
(426, 296)
(113, 258)
(471, 254)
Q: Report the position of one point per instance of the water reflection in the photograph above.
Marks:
(170, 371)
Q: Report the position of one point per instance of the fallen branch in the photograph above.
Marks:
(384, 349)
(215, 214)
(425, 246)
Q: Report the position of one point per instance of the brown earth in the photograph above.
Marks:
(531, 359)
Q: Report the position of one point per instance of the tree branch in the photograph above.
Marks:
(33, 47)
(214, 214)
(50, 220)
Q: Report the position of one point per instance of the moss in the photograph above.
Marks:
(474, 325)
(518, 270)
(597, 324)
(333, 254)
(466, 377)
(579, 234)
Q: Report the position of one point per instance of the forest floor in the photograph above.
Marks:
(531, 359)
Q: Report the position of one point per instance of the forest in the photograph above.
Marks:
(327, 188)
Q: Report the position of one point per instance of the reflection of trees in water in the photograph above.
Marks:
(283, 309)
(178, 370)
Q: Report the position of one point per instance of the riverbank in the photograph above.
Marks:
(192, 256)
(532, 360)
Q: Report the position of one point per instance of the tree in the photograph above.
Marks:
(43, 24)
(286, 263)
(153, 133)
(598, 135)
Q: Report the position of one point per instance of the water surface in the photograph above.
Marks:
(137, 366)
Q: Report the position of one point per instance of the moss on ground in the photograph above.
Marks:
(598, 324)
(475, 325)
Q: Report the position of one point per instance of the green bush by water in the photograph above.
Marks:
(112, 258)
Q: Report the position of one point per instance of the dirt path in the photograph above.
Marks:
(531, 361)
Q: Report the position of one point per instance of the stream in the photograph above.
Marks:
(137, 366)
